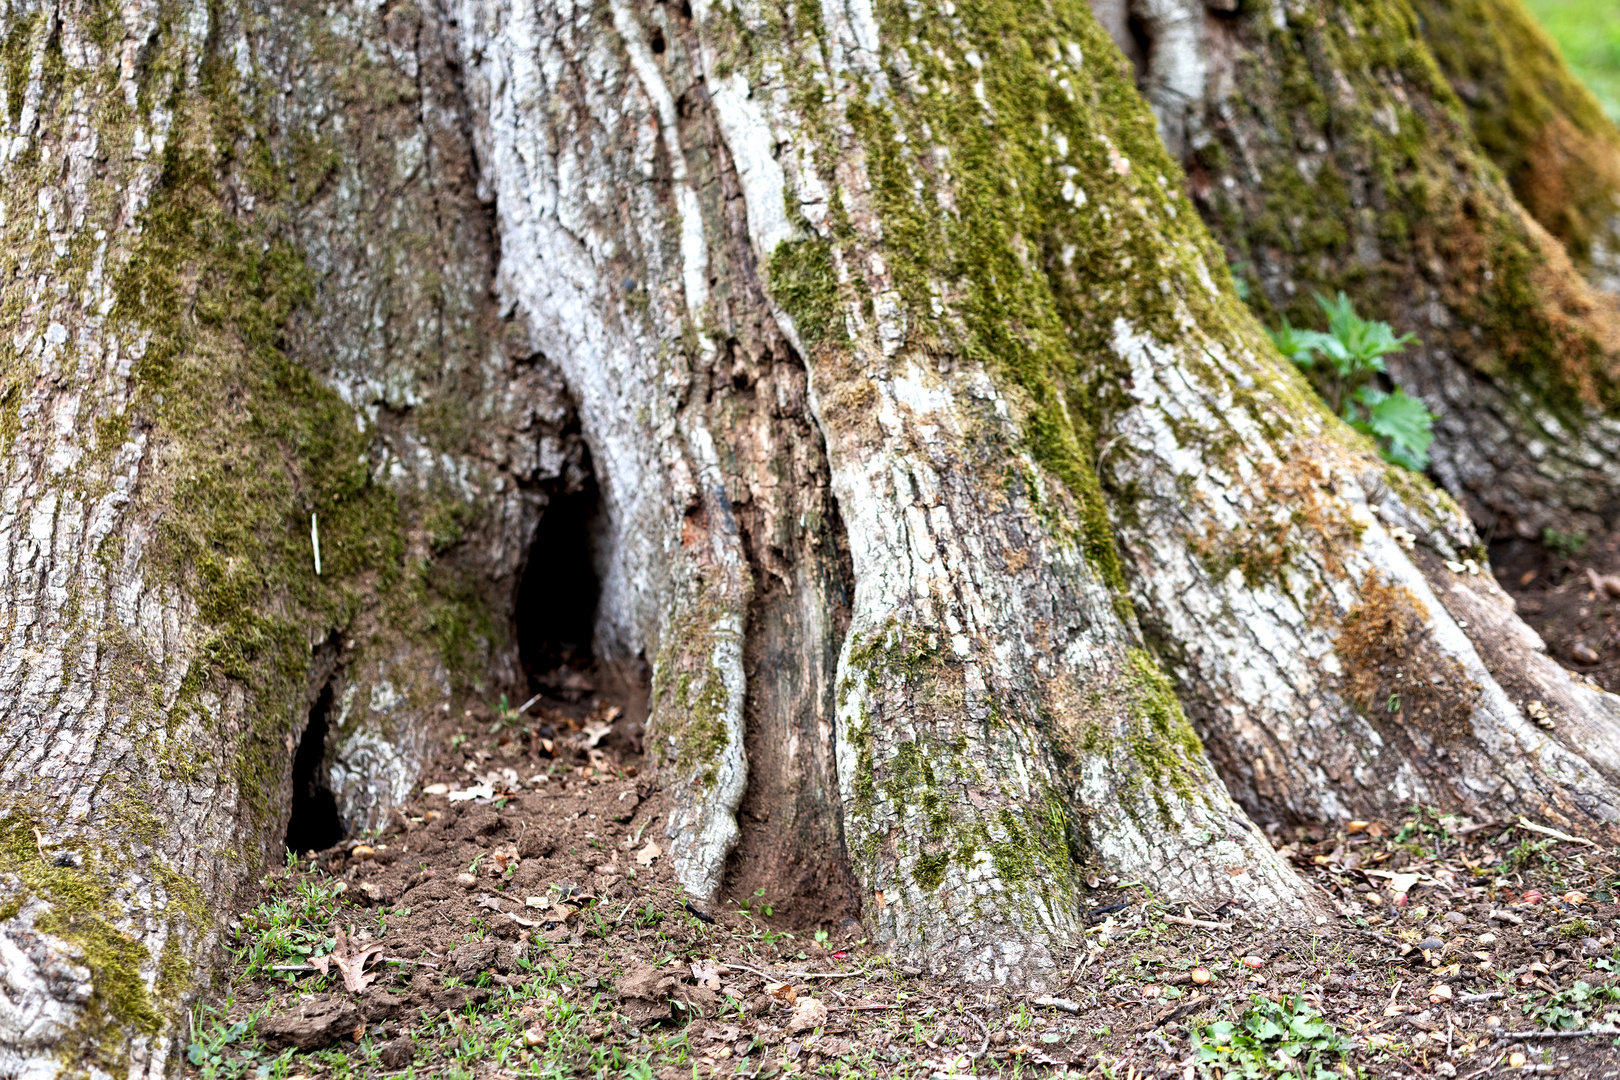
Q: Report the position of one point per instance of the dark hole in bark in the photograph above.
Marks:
(1140, 49)
(314, 825)
(555, 612)
(657, 40)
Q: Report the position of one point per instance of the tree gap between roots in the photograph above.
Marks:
(314, 824)
(554, 615)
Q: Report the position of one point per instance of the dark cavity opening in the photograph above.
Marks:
(555, 612)
(314, 825)
(1140, 48)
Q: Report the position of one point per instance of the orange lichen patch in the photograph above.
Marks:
(1585, 321)
(1295, 514)
(1393, 671)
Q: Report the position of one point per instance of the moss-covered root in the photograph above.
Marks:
(1333, 154)
(695, 730)
(1538, 122)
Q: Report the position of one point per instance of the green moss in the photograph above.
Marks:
(803, 281)
(1161, 740)
(80, 891)
(18, 56)
(1383, 191)
(689, 694)
(1538, 122)
(174, 972)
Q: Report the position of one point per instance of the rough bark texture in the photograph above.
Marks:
(879, 323)
(245, 284)
(1327, 151)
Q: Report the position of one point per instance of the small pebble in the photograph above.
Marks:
(1440, 992)
(1201, 975)
(362, 851)
(1584, 653)
(466, 880)
(1493, 1021)
(1516, 1060)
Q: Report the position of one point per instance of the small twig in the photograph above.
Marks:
(1472, 998)
(796, 974)
(986, 1029)
(380, 960)
(1061, 1004)
(1201, 923)
(1525, 823)
(1481, 1072)
(1511, 1036)
(527, 705)
(860, 1008)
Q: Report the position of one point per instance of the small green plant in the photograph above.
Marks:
(1529, 853)
(1344, 363)
(289, 930)
(1567, 544)
(757, 905)
(648, 917)
(506, 717)
(1574, 1007)
(1284, 1038)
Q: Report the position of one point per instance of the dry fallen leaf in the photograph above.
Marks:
(784, 992)
(707, 974)
(595, 731)
(477, 791)
(436, 789)
(808, 1014)
(351, 962)
(647, 854)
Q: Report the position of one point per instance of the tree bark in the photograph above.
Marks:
(1326, 150)
(928, 431)
(1538, 122)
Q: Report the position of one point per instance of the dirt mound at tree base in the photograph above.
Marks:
(567, 950)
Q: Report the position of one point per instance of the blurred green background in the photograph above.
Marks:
(1588, 31)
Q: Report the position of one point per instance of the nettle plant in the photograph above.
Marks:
(1344, 364)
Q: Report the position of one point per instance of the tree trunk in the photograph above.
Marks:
(1326, 151)
(1540, 125)
(874, 328)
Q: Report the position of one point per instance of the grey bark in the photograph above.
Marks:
(862, 550)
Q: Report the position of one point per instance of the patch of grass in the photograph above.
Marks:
(289, 930)
(223, 1050)
(1575, 1007)
(1271, 1039)
(1567, 544)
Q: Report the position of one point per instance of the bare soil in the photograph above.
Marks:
(518, 918)
(1555, 595)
